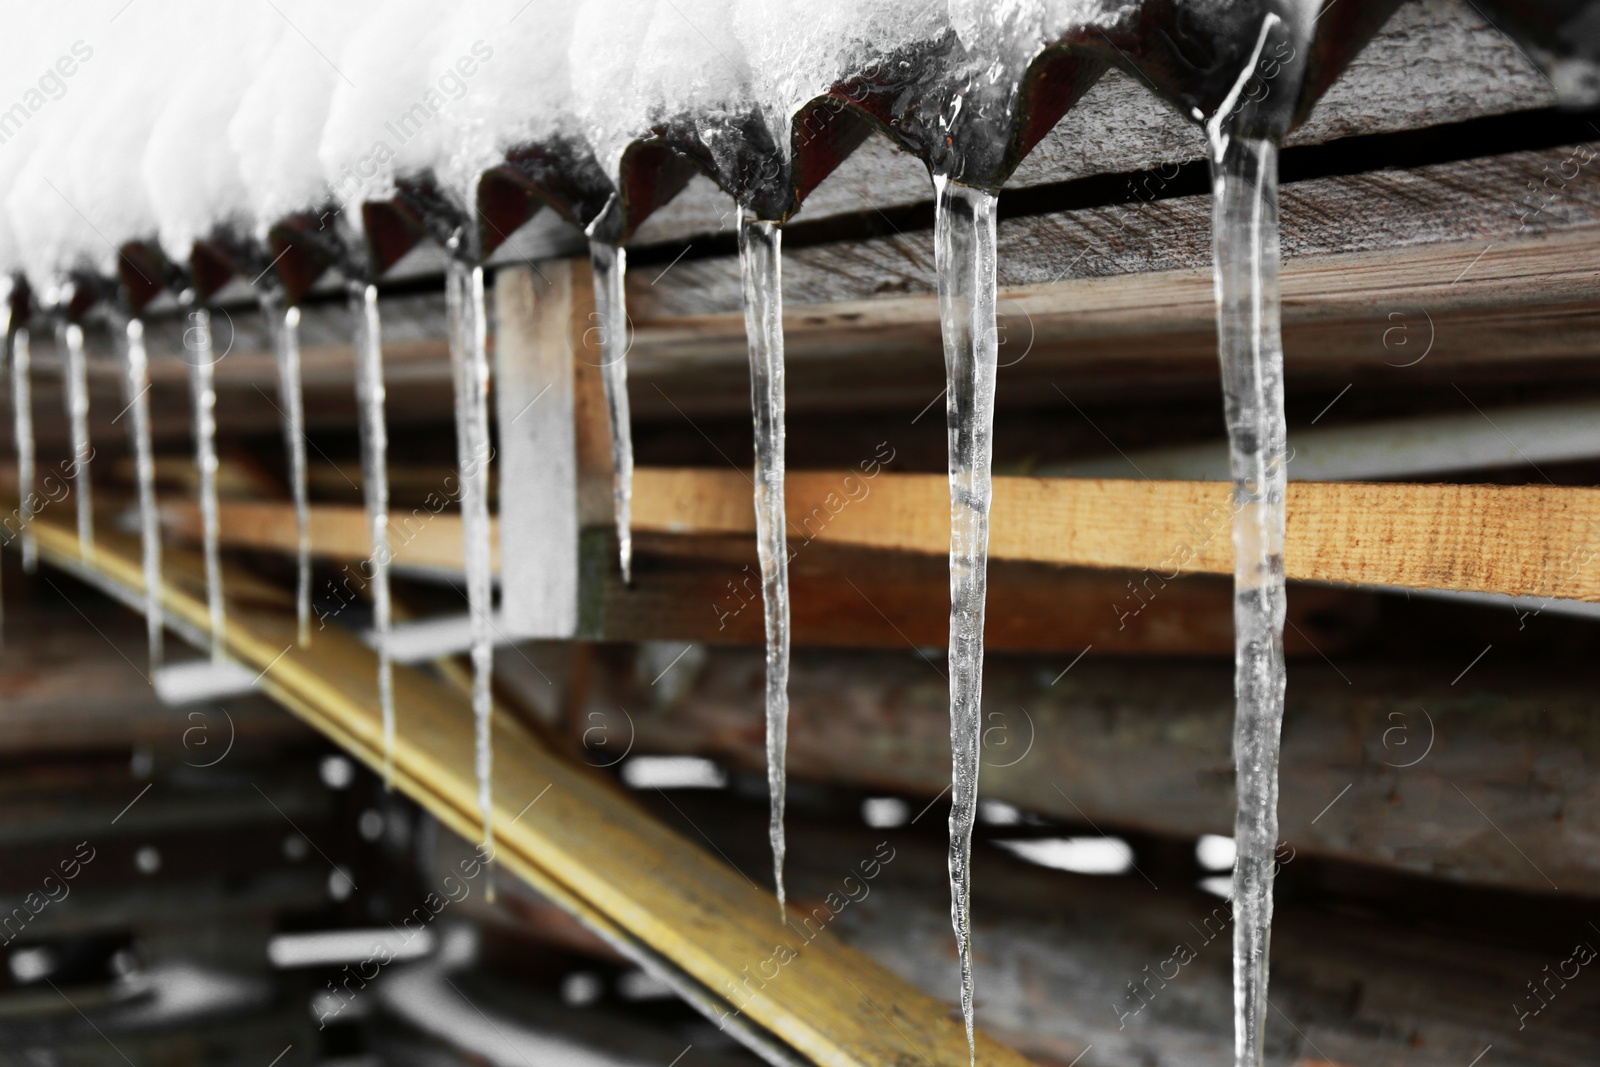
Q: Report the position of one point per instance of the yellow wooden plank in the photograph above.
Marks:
(423, 536)
(1520, 540)
(587, 841)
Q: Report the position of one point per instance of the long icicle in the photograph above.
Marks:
(761, 273)
(470, 361)
(137, 385)
(375, 486)
(203, 394)
(75, 375)
(284, 325)
(610, 264)
(22, 425)
(964, 256)
(1245, 245)
(1244, 236)
(7, 287)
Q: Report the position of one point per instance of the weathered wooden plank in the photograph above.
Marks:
(416, 372)
(1532, 540)
(708, 589)
(1522, 307)
(582, 840)
(1486, 199)
(75, 682)
(1059, 952)
(1520, 540)
(537, 456)
(1056, 952)
(1147, 745)
(840, 597)
(582, 325)
(428, 537)
(1096, 300)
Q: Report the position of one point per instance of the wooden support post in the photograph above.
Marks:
(538, 461)
(592, 425)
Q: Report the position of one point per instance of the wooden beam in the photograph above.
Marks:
(537, 454)
(1147, 745)
(1389, 963)
(1519, 540)
(708, 590)
(423, 539)
(74, 679)
(581, 841)
(1388, 309)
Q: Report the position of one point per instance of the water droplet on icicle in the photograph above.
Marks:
(137, 386)
(964, 255)
(761, 268)
(203, 394)
(75, 378)
(610, 265)
(470, 361)
(375, 487)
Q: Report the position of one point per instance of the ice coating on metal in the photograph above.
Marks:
(799, 50)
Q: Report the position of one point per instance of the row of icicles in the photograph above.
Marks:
(1243, 131)
(965, 257)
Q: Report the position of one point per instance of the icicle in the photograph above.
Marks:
(610, 265)
(7, 285)
(375, 485)
(1244, 236)
(75, 377)
(1244, 173)
(470, 360)
(138, 400)
(22, 424)
(286, 350)
(761, 269)
(203, 394)
(964, 255)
